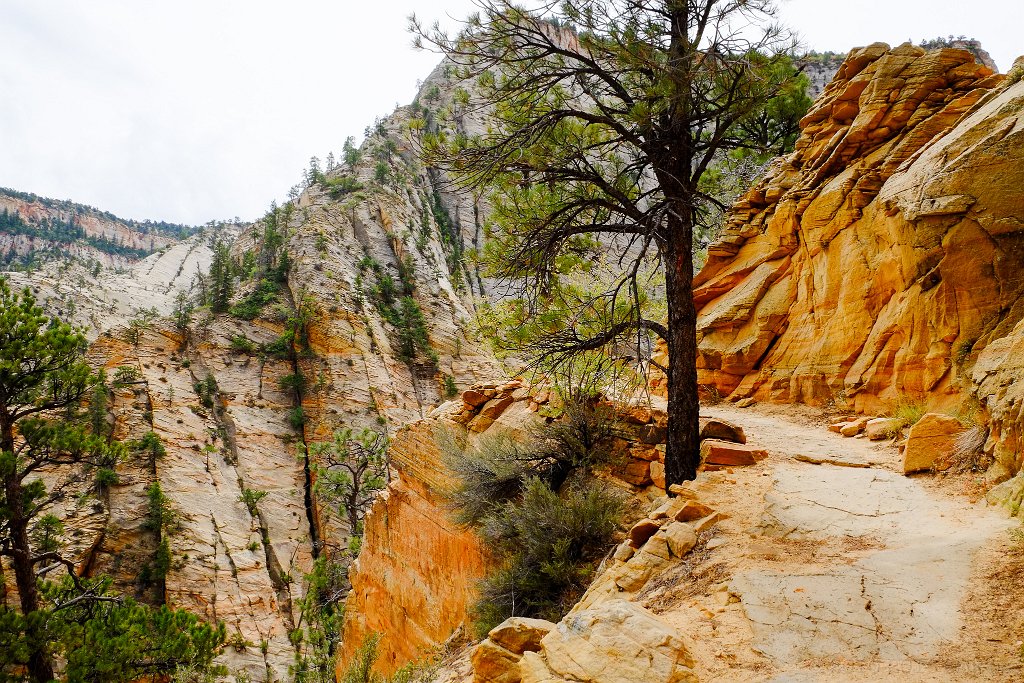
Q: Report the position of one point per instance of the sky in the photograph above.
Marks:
(199, 110)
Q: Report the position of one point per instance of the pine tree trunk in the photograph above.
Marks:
(40, 668)
(682, 445)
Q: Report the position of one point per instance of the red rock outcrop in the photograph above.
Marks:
(415, 579)
(884, 253)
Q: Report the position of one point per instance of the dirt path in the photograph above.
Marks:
(848, 572)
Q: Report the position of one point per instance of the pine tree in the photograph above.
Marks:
(606, 118)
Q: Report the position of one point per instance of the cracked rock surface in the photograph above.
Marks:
(899, 601)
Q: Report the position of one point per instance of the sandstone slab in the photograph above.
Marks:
(494, 664)
(520, 634)
(898, 602)
(932, 438)
(716, 452)
(881, 428)
(613, 642)
(722, 430)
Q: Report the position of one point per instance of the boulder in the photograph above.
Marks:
(854, 427)
(658, 474)
(635, 574)
(473, 398)
(613, 642)
(653, 433)
(882, 428)
(519, 634)
(716, 452)
(623, 552)
(722, 430)
(494, 664)
(933, 437)
(704, 523)
(495, 407)
(680, 538)
(634, 471)
(657, 545)
(692, 510)
(642, 531)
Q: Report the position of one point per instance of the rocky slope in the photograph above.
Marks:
(372, 310)
(98, 299)
(880, 258)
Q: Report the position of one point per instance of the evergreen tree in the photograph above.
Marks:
(221, 283)
(41, 371)
(607, 115)
(43, 377)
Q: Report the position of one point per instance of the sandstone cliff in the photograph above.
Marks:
(233, 462)
(884, 254)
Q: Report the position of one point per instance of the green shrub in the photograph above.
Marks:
(488, 475)
(551, 543)
(297, 417)
(105, 478)
(360, 669)
(282, 347)
(125, 375)
(450, 389)
(160, 516)
(340, 186)
(206, 390)
(251, 497)
(295, 382)
(263, 294)
(150, 441)
(906, 413)
(242, 344)
(537, 506)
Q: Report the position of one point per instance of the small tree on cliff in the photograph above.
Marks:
(350, 470)
(606, 114)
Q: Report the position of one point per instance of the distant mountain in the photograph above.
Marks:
(96, 270)
(34, 230)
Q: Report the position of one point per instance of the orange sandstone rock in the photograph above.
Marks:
(716, 452)
(866, 260)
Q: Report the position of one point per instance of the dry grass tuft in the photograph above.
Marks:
(968, 454)
(694, 575)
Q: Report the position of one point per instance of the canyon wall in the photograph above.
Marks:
(235, 400)
(885, 253)
(106, 239)
(415, 580)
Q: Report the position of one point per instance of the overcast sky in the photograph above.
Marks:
(195, 110)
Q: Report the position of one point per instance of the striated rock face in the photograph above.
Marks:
(997, 375)
(878, 258)
(417, 569)
(414, 581)
(50, 228)
(228, 562)
(99, 299)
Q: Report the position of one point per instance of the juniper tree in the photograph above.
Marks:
(603, 117)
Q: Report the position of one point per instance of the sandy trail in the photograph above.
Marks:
(839, 573)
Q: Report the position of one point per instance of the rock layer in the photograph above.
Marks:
(885, 252)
